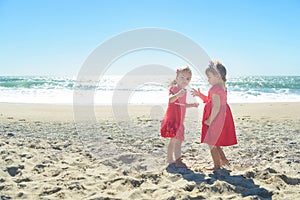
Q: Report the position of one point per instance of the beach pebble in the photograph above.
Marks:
(39, 168)
(57, 147)
(109, 138)
(5, 197)
(49, 191)
(249, 174)
(24, 155)
(22, 185)
(2, 144)
(125, 172)
(271, 170)
(13, 169)
(20, 194)
(10, 134)
(76, 186)
(159, 144)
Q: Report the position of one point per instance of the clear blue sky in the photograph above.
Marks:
(54, 37)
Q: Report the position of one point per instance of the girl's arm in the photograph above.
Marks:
(216, 104)
(189, 105)
(199, 94)
(174, 97)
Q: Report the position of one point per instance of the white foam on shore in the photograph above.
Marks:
(109, 91)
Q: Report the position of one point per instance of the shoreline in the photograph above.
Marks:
(62, 112)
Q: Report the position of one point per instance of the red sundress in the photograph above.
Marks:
(221, 131)
(172, 124)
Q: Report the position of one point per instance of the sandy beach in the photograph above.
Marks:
(45, 154)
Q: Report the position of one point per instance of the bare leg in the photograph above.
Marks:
(177, 148)
(216, 158)
(223, 159)
(171, 147)
(177, 152)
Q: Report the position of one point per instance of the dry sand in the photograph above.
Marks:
(45, 154)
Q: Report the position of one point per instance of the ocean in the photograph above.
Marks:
(60, 90)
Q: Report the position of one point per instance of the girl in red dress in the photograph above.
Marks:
(217, 122)
(172, 125)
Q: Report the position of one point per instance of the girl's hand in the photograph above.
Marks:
(195, 105)
(180, 93)
(207, 122)
(196, 92)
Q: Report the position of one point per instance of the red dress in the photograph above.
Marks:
(172, 124)
(221, 131)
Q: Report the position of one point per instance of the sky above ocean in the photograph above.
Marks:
(53, 37)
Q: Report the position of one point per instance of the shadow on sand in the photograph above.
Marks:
(235, 183)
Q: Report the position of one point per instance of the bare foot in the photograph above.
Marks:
(224, 162)
(211, 168)
(170, 161)
(180, 164)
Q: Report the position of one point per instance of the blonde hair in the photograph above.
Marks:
(181, 70)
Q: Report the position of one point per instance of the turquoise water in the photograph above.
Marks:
(38, 89)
